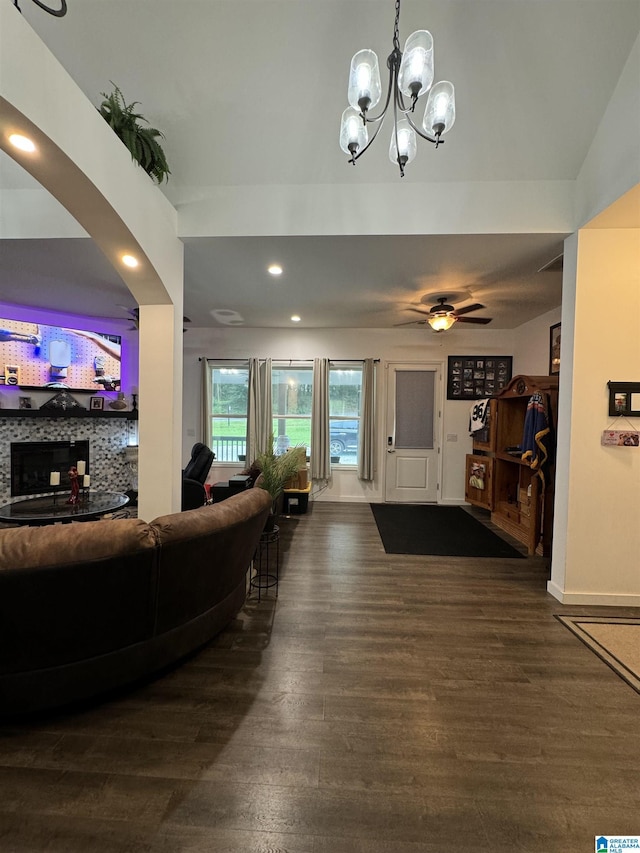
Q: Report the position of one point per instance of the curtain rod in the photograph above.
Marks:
(295, 360)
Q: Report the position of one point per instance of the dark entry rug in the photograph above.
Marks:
(444, 531)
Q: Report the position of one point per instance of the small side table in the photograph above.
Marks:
(266, 562)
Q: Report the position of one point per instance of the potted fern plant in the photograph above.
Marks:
(275, 472)
(142, 142)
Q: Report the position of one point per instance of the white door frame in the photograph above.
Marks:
(438, 430)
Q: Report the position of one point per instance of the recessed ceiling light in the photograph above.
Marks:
(295, 318)
(22, 142)
(274, 269)
(130, 261)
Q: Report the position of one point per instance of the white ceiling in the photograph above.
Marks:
(249, 94)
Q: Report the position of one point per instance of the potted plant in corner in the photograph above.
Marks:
(142, 142)
(275, 472)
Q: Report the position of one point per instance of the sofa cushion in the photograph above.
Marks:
(205, 553)
(70, 592)
(178, 527)
(65, 544)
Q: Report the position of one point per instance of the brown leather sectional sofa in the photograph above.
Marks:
(86, 608)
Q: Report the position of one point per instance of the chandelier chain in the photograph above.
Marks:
(396, 27)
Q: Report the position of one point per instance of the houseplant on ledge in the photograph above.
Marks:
(142, 142)
(275, 472)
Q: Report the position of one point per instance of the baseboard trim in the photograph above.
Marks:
(597, 599)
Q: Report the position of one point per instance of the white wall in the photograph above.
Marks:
(597, 529)
(529, 344)
(612, 165)
(532, 343)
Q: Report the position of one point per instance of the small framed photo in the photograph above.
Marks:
(624, 399)
(24, 402)
(554, 350)
(96, 404)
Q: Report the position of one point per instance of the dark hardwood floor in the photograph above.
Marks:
(384, 704)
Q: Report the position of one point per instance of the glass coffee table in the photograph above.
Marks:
(54, 508)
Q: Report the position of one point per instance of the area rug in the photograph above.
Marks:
(443, 531)
(616, 640)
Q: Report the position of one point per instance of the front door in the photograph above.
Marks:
(412, 433)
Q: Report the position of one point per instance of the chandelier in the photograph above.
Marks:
(410, 76)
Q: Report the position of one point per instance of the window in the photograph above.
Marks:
(229, 417)
(291, 398)
(292, 386)
(345, 391)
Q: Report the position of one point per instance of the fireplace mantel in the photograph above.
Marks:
(67, 413)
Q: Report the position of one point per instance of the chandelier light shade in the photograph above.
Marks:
(416, 68)
(365, 88)
(404, 143)
(411, 74)
(440, 113)
(353, 133)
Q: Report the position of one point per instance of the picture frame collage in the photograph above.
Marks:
(475, 377)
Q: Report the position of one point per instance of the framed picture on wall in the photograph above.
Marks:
(554, 349)
(475, 377)
(624, 399)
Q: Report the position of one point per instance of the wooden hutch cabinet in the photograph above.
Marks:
(499, 480)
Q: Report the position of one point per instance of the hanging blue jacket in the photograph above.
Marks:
(536, 436)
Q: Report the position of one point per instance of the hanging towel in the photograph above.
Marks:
(478, 415)
(536, 436)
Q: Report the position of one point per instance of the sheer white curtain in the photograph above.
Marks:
(205, 401)
(259, 408)
(320, 454)
(366, 445)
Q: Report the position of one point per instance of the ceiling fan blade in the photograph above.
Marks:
(475, 307)
(481, 321)
(418, 311)
(411, 323)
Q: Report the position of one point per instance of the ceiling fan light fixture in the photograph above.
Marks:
(441, 322)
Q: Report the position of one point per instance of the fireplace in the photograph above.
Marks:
(33, 461)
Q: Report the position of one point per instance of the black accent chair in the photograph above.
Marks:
(194, 476)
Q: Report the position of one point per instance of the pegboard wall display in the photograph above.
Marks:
(35, 355)
(475, 377)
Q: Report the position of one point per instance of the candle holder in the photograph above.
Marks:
(75, 486)
(134, 402)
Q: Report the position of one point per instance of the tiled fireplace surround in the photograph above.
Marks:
(107, 437)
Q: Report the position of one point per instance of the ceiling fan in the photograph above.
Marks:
(443, 316)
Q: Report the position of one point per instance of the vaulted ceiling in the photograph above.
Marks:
(249, 95)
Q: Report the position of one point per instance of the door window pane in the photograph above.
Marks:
(414, 409)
